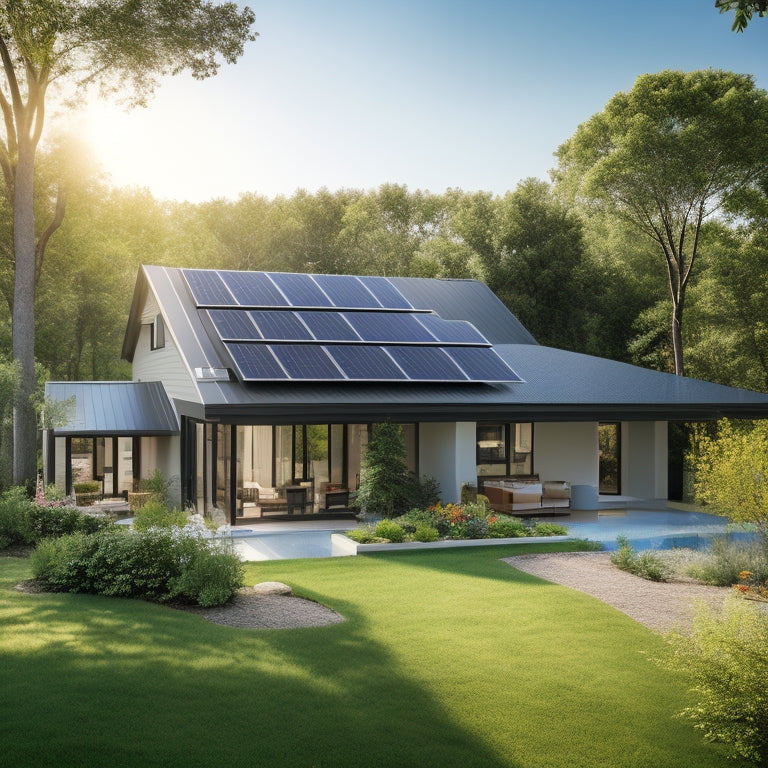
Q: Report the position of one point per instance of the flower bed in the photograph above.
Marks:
(452, 521)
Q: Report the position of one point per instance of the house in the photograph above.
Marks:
(254, 393)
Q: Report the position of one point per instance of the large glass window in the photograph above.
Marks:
(609, 437)
(505, 449)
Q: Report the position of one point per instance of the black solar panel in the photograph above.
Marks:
(452, 331)
(254, 289)
(389, 327)
(306, 361)
(347, 291)
(300, 290)
(363, 362)
(328, 326)
(233, 324)
(482, 364)
(389, 297)
(256, 362)
(279, 325)
(426, 364)
(207, 287)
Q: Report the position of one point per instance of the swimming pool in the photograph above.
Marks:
(646, 529)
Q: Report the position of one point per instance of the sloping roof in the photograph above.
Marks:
(557, 385)
(114, 408)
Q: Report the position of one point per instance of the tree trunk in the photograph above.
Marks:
(24, 420)
(677, 336)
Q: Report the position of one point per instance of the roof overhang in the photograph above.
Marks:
(129, 408)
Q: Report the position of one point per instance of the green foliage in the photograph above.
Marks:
(156, 515)
(549, 529)
(158, 565)
(727, 559)
(389, 529)
(504, 527)
(425, 532)
(365, 534)
(732, 472)
(727, 657)
(156, 484)
(89, 486)
(647, 565)
(45, 522)
(15, 508)
(743, 11)
(384, 477)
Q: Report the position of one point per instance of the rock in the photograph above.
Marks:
(272, 588)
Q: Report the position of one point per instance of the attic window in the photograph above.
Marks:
(157, 330)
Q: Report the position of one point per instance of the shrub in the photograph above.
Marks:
(470, 527)
(726, 559)
(158, 565)
(157, 485)
(156, 515)
(549, 529)
(91, 486)
(15, 527)
(504, 527)
(60, 521)
(389, 529)
(727, 656)
(425, 532)
(647, 565)
(365, 535)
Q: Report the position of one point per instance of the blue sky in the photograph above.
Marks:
(475, 94)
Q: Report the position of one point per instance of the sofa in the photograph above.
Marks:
(526, 494)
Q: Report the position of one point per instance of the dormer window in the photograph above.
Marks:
(157, 332)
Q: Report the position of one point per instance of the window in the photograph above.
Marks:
(505, 449)
(609, 436)
(157, 332)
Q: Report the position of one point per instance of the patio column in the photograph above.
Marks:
(447, 453)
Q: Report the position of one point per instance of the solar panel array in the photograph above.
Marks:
(278, 326)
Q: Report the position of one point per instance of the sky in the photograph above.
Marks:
(432, 94)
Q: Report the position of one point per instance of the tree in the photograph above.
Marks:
(665, 157)
(744, 9)
(119, 45)
(732, 473)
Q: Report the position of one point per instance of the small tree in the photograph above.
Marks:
(732, 473)
(384, 477)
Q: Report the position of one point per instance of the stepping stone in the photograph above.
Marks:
(272, 588)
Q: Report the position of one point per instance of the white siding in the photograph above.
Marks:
(163, 365)
(447, 453)
(566, 451)
(644, 459)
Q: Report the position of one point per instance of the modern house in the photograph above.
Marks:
(254, 392)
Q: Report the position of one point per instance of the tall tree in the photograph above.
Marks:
(665, 157)
(120, 45)
(743, 11)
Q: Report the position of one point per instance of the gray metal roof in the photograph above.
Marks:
(114, 408)
(557, 385)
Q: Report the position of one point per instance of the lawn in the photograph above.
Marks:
(447, 658)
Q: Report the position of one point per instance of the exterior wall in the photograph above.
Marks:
(163, 364)
(566, 451)
(163, 453)
(60, 470)
(447, 452)
(644, 459)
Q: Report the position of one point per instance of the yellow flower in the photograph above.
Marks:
(745, 575)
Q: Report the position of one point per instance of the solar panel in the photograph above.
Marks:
(207, 287)
(363, 362)
(306, 361)
(452, 331)
(426, 363)
(279, 325)
(256, 362)
(301, 290)
(233, 324)
(482, 364)
(347, 291)
(254, 289)
(388, 327)
(389, 297)
(328, 326)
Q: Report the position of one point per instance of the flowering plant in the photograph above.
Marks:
(750, 588)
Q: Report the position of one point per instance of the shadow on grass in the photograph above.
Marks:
(92, 681)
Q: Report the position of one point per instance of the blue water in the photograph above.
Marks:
(656, 530)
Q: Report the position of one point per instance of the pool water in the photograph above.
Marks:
(282, 545)
(645, 529)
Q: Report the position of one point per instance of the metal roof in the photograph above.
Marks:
(557, 385)
(114, 408)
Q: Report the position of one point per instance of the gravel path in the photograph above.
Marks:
(661, 606)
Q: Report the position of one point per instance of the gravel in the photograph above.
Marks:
(661, 606)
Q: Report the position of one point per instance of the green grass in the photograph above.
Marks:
(447, 658)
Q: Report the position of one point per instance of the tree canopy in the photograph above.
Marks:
(665, 157)
(743, 11)
(121, 46)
